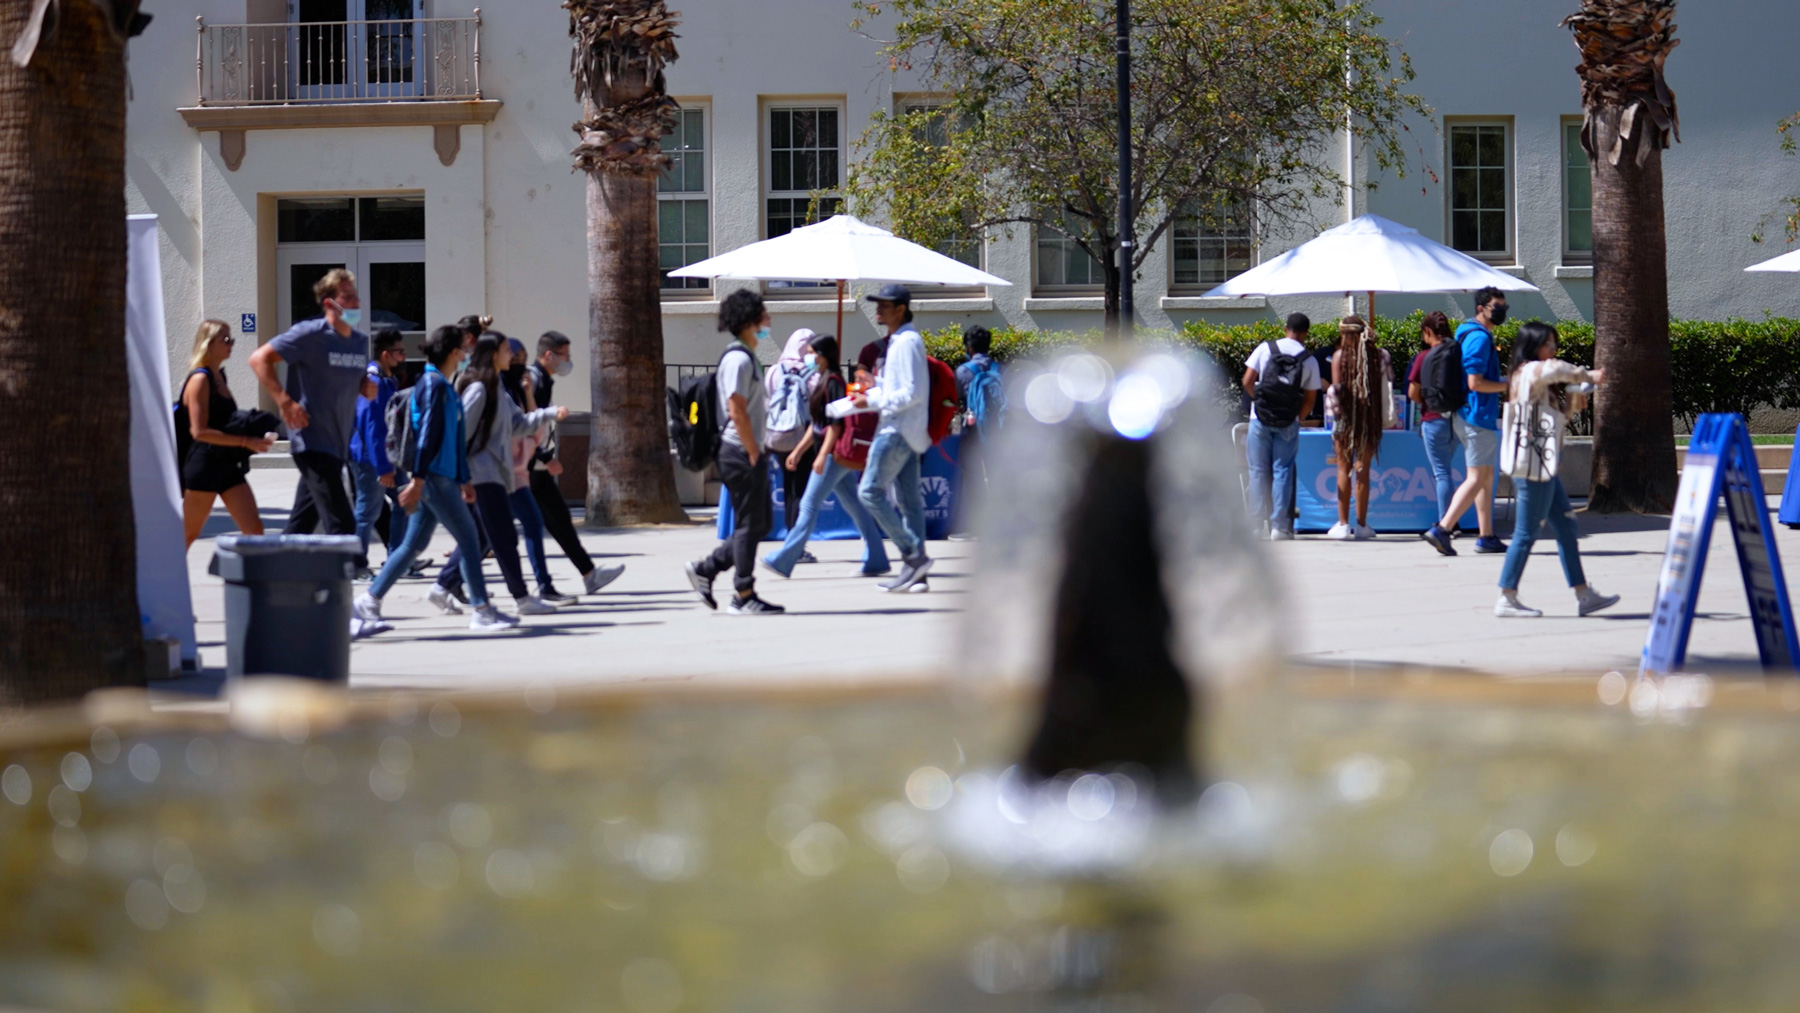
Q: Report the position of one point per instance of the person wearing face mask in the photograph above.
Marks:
(326, 361)
(1477, 426)
(553, 361)
(743, 401)
(792, 445)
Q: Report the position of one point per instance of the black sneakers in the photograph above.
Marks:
(752, 606)
(702, 586)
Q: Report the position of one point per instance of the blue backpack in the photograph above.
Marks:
(987, 396)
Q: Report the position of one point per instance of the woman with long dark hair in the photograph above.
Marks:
(1359, 373)
(493, 420)
(1436, 430)
(1537, 381)
(831, 474)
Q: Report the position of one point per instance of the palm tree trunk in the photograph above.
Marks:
(630, 479)
(1634, 434)
(68, 552)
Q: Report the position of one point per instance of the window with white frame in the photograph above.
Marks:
(1578, 198)
(805, 157)
(1061, 264)
(684, 223)
(966, 248)
(1481, 189)
(1211, 242)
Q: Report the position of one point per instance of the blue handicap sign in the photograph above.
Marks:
(247, 323)
(1721, 461)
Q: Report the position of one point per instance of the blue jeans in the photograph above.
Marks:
(531, 521)
(443, 504)
(1539, 502)
(894, 463)
(1440, 452)
(369, 496)
(841, 481)
(1272, 450)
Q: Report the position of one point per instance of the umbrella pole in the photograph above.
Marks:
(840, 313)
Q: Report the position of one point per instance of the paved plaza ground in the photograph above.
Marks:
(1389, 601)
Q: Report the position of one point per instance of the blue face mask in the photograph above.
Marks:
(812, 362)
(350, 316)
(762, 334)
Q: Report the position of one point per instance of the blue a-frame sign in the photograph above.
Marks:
(1720, 461)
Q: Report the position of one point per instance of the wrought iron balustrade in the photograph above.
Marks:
(323, 62)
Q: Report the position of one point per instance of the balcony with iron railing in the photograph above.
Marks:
(421, 71)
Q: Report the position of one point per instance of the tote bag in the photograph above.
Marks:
(1530, 440)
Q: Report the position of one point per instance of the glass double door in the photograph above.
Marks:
(344, 50)
(390, 279)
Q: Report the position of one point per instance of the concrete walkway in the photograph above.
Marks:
(1392, 600)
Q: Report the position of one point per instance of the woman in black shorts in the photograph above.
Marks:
(218, 461)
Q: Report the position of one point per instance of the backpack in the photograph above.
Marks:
(987, 396)
(1441, 380)
(695, 423)
(944, 399)
(1280, 388)
(402, 439)
(789, 414)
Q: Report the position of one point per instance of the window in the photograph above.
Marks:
(805, 155)
(683, 223)
(381, 239)
(1578, 198)
(1480, 212)
(936, 131)
(1062, 264)
(1211, 243)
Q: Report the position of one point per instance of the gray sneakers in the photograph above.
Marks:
(600, 576)
(440, 596)
(912, 573)
(1589, 601)
(488, 618)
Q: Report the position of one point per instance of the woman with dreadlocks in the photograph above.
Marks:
(1359, 376)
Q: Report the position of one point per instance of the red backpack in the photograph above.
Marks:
(944, 399)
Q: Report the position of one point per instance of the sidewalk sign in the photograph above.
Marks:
(1720, 461)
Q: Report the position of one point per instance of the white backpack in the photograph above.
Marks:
(789, 413)
(1531, 435)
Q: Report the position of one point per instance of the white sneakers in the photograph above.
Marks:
(1587, 602)
(1510, 607)
(441, 597)
(487, 617)
(1340, 533)
(1364, 532)
(366, 607)
(1278, 535)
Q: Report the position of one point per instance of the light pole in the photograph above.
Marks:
(1127, 309)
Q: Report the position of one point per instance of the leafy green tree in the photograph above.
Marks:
(1790, 205)
(1237, 107)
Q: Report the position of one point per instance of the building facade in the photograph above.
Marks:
(426, 146)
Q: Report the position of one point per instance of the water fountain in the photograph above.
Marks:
(1355, 840)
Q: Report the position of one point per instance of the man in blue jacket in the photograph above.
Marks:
(1477, 426)
(371, 473)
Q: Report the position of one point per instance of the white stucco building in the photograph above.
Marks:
(430, 153)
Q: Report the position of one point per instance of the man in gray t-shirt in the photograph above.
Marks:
(743, 404)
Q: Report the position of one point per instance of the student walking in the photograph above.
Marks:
(1477, 426)
(493, 419)
(983, 397)
(326, 358)
(554, 360)
(219, 460)
(1358, 403)
(831, 475)
(902, 395)
(1438, 401)
(1536, 383)
(792, 444)
(743, 401)
(440, 486)
(1282, 381)
(372, 474)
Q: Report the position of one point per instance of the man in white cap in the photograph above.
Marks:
(902, 395)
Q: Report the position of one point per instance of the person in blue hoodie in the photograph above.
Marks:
(441, 487)
(372, 475)
(1477, 426)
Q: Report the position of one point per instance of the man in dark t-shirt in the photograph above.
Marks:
(327, 370)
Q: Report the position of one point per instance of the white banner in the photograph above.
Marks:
(165, 605)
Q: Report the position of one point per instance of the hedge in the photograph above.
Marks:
(1718, 366)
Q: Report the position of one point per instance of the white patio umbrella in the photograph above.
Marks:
(1789, 262)
(1370, 254)
(840, 249)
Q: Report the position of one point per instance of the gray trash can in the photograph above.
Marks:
(287, 604)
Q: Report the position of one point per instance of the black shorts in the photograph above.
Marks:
(214, 469)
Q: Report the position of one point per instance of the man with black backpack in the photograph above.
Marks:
(743, 402)
(1282, 381)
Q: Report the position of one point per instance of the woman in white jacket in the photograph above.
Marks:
(492, 419)
(1538, 378)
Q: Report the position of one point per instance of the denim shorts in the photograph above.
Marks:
(1481, 447)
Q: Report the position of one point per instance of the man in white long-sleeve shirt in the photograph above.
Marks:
(902, 394)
